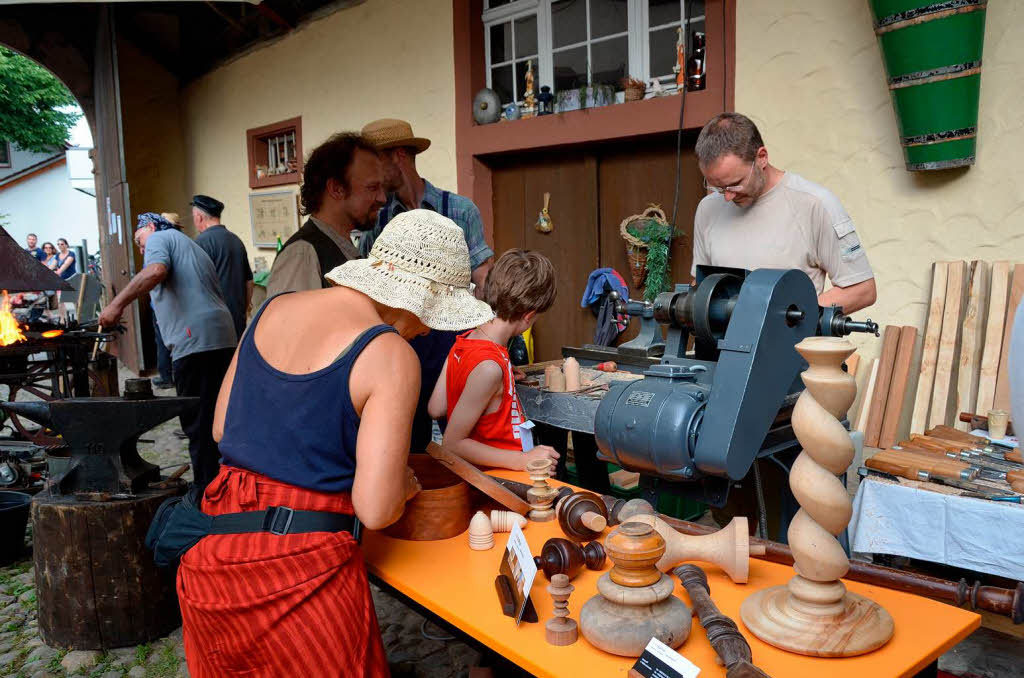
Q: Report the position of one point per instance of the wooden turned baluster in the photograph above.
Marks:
(541, 495)
(561, 630)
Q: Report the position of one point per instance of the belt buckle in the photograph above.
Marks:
(276, 515)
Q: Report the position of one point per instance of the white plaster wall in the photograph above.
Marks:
(48, 206)
(810, 74)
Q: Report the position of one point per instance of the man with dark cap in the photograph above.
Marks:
(228, 255)
(342, 190)
(194, 321)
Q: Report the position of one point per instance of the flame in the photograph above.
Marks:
(9, 330)
(50, 334)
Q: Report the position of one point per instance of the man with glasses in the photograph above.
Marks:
(758, 216)
(194, 321)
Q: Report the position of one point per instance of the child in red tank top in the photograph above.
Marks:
(476, 390)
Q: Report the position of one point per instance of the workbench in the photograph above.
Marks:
(457, 585)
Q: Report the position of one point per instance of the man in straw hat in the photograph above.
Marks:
(314, 416)
(342, 190)
(398, 148)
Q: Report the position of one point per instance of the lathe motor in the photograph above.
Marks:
(705, 418)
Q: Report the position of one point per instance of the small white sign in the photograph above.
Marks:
(524, 570)
(661, 661)
(526, 435)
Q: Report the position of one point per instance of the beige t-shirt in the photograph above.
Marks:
(797, 224)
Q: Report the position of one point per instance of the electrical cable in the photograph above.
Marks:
(762, 517)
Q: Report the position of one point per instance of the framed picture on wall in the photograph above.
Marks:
(273, 215)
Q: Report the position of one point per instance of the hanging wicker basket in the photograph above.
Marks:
(636, 249)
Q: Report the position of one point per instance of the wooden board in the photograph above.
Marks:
(478, 479)
(890, 342)
(897, 387)
(865, 402)
(971, 341)
(940, 411)
(930, 349)
(1002, 398)
(852, 363)
(995, 317)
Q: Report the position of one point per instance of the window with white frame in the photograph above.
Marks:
(574, 43)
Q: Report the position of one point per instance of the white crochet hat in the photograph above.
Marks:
(419, 262)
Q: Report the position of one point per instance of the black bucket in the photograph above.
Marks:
(14, 508)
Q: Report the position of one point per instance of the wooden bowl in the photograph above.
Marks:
(442, 509)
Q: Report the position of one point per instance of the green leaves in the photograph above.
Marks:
(30, 101)
(657, 235)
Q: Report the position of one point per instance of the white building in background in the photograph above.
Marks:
(49, 194)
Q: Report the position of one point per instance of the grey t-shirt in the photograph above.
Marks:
(189, 307)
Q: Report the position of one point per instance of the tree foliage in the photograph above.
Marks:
(33, 104)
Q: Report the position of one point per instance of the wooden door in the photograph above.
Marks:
(634, 176)
(519, 185)
(116, 226)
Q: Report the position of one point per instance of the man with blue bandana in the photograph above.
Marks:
(195, 324)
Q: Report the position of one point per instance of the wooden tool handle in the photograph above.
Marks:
(1017, 486)
(950, 433)
(981, 421)
(891, 468)
(950, 445)
(914, 462)
(478, 479)
(921, 442)
(1014, 455)
(1015, 477)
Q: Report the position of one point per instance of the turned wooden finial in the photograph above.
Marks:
(561, 556)
(561, 630)
(502, 521)
(481, 535)
(541, 495)
(814, 614)
(634, 548)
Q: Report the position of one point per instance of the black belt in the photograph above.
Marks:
(282, 520)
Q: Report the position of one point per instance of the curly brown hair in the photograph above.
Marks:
(519, 282)
(329, 160)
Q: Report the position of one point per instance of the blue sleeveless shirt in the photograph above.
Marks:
(299, 429)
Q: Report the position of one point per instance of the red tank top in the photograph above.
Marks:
(499, 428)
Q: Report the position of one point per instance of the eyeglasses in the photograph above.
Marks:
(738, 188)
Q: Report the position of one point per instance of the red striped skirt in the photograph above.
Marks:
(269, 605)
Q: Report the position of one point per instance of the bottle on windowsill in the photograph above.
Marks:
(696, 65)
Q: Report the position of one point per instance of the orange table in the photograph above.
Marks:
(457, 584)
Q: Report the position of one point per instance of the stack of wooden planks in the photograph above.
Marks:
(882, 404)
(966, 341)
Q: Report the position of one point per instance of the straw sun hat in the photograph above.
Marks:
(391, 133)
(420, 262)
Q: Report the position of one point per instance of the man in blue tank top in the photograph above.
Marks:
(195, 324)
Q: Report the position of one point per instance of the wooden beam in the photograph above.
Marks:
(949, 339)
(995, 317)
(930, 349)
(876, 413)
(897, 387)
(1002, 399)
(865, 402)
(971, 342)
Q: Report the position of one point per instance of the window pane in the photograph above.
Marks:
(696, 7)
(608, 17)
(526, 36)
(501, 82)
(611, 61)
(568, 22)
(521, 80)
(663, 51)
(501, 43)
(661, 12)
(570, 68)
(491, 4)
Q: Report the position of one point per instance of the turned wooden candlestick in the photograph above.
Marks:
(634, 601)
(582, 516)
(541, 495)
(561, 556)
(729, 548)
(561, 630)
(814, 614)
(723, 634)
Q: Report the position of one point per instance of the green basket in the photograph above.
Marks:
(932, 53)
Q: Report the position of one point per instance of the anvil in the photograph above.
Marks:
(102, 434)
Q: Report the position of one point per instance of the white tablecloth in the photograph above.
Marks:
(977, 534)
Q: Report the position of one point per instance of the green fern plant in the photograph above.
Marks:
(657, 236)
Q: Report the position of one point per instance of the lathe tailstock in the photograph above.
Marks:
(699, 421)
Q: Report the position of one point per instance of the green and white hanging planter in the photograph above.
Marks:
(932, 53)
